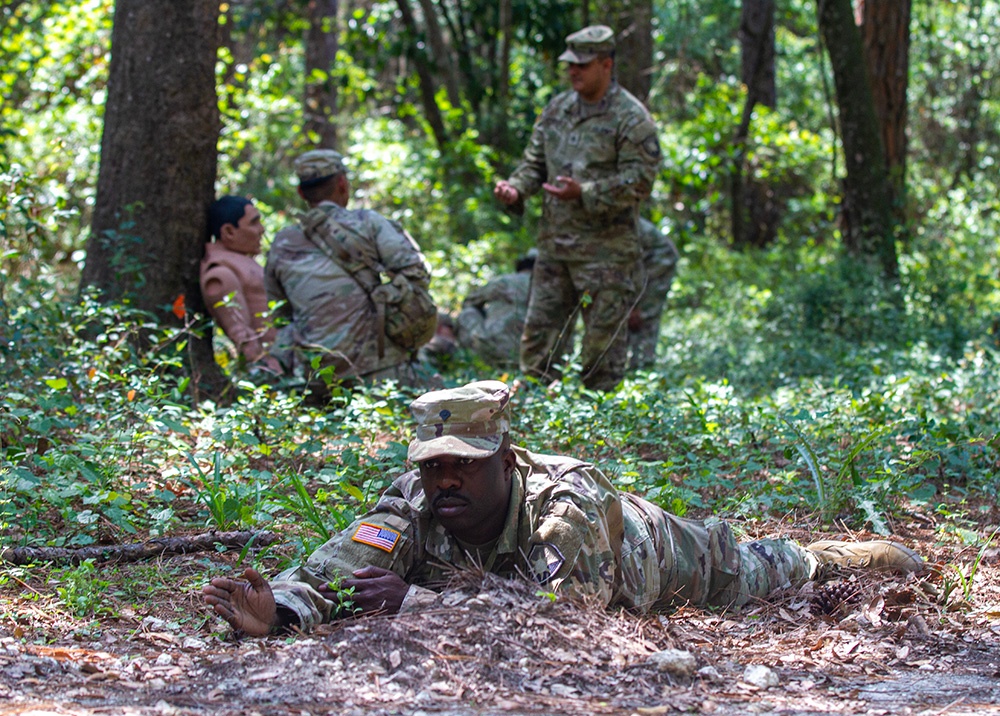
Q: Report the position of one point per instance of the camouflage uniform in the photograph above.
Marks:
(588, 245)
(659, 256)
(328, 313)
(567, 527)
(492, 319)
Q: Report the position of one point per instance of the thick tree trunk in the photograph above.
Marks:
(867, 208)
(885, 27)
(158, 157)
(632, 21)
(321, 89)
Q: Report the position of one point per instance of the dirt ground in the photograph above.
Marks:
(861, 644)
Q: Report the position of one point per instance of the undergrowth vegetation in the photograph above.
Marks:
(792, 384)
(831, 398)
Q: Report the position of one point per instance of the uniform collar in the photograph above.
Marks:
(508, 542)
(590, 109)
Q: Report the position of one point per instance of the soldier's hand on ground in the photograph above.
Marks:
(377, 589)
(505, 192)
(247, 604)
(565, 188)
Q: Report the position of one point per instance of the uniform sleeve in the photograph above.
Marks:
(223, 294)
(398, 251)
(272, 283)
(383, 538)
(638, 163)
(532, 172)
(571, 550)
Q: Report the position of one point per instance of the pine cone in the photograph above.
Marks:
(829, 597)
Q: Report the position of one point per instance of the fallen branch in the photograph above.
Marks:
(136, 552)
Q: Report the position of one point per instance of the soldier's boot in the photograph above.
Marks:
(880, 555)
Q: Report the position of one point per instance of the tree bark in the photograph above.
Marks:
(754, 213)
(158, 158)
(757, 51)
(428, 89)
(440, 53)
(867, 209)
(632, 21)
(321, 89)
(885, 27)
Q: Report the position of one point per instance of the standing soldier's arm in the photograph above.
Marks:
(638, 162)
(532, 171)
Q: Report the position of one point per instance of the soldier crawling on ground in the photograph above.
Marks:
(477, 501)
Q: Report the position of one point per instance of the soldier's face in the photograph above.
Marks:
(591, 79)
(246, 236)
(469, 497)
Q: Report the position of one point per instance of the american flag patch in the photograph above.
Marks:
(376, 536)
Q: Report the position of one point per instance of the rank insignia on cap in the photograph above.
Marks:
(544, 562)
(376, 536)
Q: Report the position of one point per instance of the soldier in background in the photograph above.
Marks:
(492, 317)
(659, 257)
(477, 502)
(232, 282)
(594, 153)
(326, 294)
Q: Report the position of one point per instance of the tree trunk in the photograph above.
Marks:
(428, 89)
(632, 21)
(757, 51)
(885, 27)
(500, 135)
(441, 54)
(321, 89)
(867, 209)
(754, 213)
(158, 158)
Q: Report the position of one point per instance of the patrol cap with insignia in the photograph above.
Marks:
(465, 422)
(584, 45)
(318, 165)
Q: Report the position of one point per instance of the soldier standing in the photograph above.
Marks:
(594, 153)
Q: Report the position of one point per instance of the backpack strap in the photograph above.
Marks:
(346, 257)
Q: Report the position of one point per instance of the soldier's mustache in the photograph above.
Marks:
(451, 495)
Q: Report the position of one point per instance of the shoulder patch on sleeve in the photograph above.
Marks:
(544, 562)
(376, 536)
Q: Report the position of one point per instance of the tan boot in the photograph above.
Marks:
(878, 554)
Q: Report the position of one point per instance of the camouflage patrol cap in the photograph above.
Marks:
(584, 45)
(465, 422)
(317, 165)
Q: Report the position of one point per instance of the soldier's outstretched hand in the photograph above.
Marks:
(247, 604)
(505, 192)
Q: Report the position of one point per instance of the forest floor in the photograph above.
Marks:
(863, 644)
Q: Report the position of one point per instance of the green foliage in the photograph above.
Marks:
(82, 590)
(791, 381)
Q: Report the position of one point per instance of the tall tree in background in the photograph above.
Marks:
(885, 28)
(868, 223)
(321, 89)
(754, 212)
(632, 21)
(158, 158)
